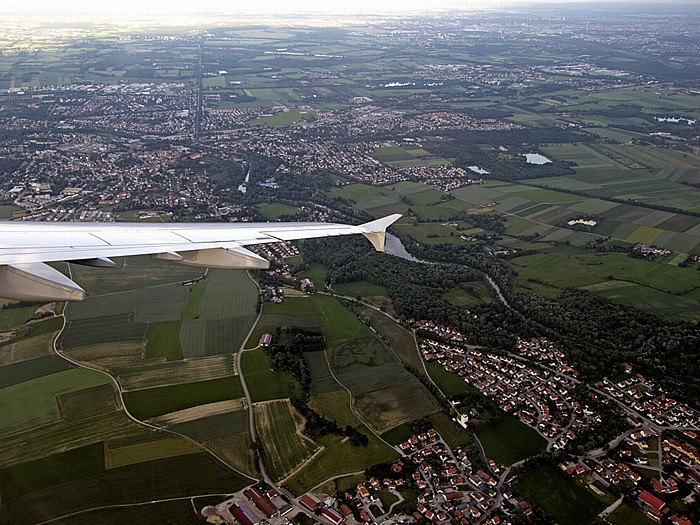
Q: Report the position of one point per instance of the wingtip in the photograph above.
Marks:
(380, 225)
(375, 231)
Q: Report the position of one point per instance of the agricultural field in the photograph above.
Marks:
(88, 488)
(400, 339)
(335, 406)
(510, 441)
(225, 314)
(321, 379)
(278, 428)
(26, 349)
(147, 403)
(660, 288)
(211, 428)
(164, 341)
(34, 402)
(237, 451)
(263, 384)
(338, 457)
(560, 497)
(88, 402)
(470, 295)
(32, 369)
(408, 157)
(273, 211)
(13, 317)
(392, 406)
(131, 273)
(168, 447)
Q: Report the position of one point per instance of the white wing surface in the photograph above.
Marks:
(26, 246)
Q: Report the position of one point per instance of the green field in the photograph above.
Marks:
(627, 515)
(510, 441)
(151, 402)
(33, 403)
(278, 427)
(470, 295)
(395, 405)
(448, 383)
(559, 496)
(359, 289)
(273, 211)
(317, 273)
(321, 379)
(31, 369)
(401, 340)
(164, 341)
(335, 406)
(168, 447)
(14, 317)
(340, 457)
(52, 470)
(196, 294)
(225, 314)
(132, 273)
(143, 482)
(263, 384)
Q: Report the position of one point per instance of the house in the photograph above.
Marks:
(332, 515)
(261, 501)
(309, 501)
(649, 499)
(243, 514)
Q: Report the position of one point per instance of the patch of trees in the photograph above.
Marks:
(599, 335)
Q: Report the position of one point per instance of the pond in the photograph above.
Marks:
(536, 158)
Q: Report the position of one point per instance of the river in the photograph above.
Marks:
(394, 246)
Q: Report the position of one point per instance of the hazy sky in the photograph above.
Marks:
(151, 7)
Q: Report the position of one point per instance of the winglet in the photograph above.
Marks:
(375, 231)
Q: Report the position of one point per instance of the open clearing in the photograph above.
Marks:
(510, 440)
(563, 498)
(278, 427)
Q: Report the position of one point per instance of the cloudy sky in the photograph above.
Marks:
(151, 7)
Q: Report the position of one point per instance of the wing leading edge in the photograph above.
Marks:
(25, 247)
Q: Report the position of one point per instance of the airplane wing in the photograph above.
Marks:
(25, 247)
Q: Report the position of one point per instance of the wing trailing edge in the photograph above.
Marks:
(25, 248)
